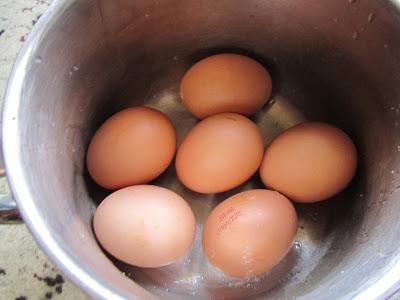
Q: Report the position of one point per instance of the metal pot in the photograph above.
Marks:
(334, 61)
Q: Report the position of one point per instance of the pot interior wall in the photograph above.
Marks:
(332, 61)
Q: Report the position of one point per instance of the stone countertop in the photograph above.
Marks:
(25, 271)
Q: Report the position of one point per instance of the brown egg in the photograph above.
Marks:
(309, 162)
(225, 83)
(145, 226)
(250, 232)
(219, 153)
(134, 146)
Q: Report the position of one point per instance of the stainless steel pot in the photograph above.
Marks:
(337, 61)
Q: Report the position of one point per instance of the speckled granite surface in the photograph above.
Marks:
(25, 271)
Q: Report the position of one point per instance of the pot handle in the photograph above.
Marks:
(8, 207)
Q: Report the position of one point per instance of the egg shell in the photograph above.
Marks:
(134, 146)
(145, 225)
(225, 83)
(309, 162)
(219, 153)
(249, 233)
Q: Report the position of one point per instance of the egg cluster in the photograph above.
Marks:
(246, 234)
